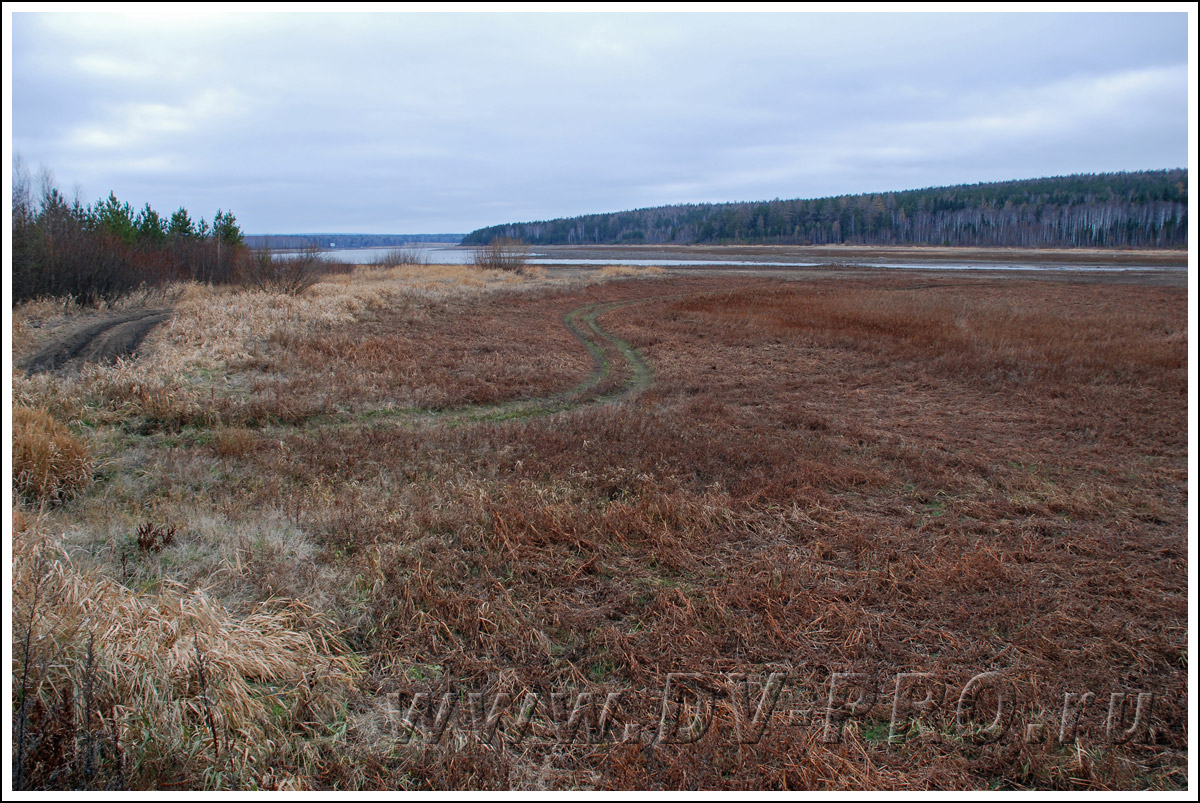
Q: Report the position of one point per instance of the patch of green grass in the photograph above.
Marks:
(599, 670)
(875, 731)
(423, 673)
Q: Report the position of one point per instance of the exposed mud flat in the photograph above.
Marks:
(1147, 267)
(848, 254)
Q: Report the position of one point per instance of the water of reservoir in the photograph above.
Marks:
(439, 254)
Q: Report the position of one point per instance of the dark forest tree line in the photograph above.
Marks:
(1146, 209)
(105, 250)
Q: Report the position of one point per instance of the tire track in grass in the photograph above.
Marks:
(606, 350)
(641, 374)
(101, 341)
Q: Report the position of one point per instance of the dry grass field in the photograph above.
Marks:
(489, 494)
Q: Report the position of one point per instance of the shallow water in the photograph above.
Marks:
(439, 254)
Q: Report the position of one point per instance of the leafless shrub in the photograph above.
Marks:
(153, 537)
(336, 267)
(504, 254)
(292, 274)
(404, 255)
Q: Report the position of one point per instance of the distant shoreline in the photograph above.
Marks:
(838, 253)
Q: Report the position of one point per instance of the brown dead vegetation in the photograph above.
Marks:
(880, 476)
(49, 464)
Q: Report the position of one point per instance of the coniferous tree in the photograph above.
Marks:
(1145, 209)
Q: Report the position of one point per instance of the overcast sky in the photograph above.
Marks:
(449, 122)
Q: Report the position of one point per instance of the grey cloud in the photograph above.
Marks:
(419, 122)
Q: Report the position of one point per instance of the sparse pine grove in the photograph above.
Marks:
(103, 251)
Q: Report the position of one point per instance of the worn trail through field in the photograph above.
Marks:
(101, 341)
(618, 372)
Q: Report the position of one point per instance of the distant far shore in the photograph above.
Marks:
(840, 253)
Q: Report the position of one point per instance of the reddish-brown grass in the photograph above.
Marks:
(447, 353)
(870, 475)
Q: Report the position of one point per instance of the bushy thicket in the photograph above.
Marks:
(106, 250)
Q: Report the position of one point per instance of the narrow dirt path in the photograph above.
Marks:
(100, 341)
(582, 323)
(618, 372)
(609, 354)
